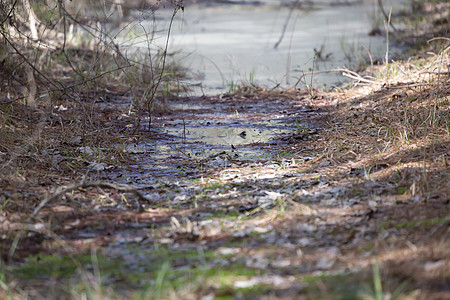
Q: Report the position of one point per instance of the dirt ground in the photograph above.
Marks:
(349, 199)
(358, 194)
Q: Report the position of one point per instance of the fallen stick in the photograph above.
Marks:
(345, 72)
(84, 184)
(358, 78)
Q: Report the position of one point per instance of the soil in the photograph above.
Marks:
(333, 196)
(280, 194)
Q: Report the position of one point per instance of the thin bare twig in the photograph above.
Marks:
(86, 184)
(27, 61)
(386, 16)
(345, 72)
(154, 88)
(286, 24)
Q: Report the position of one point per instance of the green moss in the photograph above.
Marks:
(214, 185)
(229, 215)
(286, 154)
(410, 224)
(401, 190)
(341, 286)
(365, 248)
(154, 268)
(423, 223)
(56, 266)
(195, 269)
(407, 224)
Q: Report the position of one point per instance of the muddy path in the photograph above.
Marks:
(199, 135)
(280, 194)
(228, 148)
(264, 195)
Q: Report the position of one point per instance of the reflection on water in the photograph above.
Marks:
(226, 44)
(197, 141)
(224, 135)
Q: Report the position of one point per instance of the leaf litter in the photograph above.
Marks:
(340, 182)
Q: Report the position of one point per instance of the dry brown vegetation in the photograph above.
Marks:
(363, 196)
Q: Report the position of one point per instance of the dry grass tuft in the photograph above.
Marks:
(399, 131)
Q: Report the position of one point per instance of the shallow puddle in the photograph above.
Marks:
(230, 133)
(268, 43)
(189, 142)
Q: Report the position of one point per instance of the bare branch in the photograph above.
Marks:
(98, 184)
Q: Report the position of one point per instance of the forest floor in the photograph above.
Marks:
(287, 194)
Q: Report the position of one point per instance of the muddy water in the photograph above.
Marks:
(213, 133)
(229, 133)
(226, 44)
(269, 43)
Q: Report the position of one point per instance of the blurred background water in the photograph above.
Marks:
(269, 42)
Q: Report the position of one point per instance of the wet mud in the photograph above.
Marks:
(201, 134)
